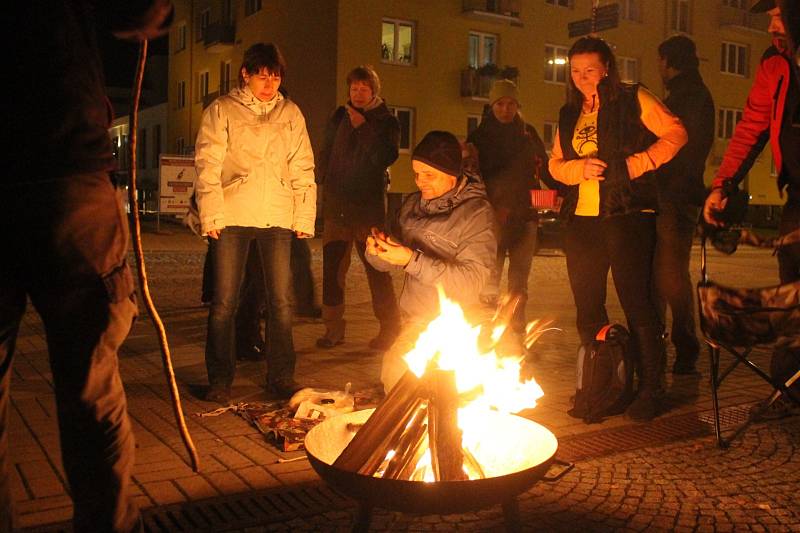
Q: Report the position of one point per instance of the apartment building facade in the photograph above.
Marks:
(437, 59)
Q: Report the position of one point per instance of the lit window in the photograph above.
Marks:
(740, 4)
(679, 15)
(225, 77)
(733, 59)
(727, 119)
(482, 49)
(628, 69)
(397, 42)
(180, 145)
(559, 3)
(555, 63)
(405, 116)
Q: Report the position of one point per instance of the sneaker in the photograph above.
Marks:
(284, 388)
(219, 394)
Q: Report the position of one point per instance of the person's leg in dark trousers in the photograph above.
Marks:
(230, 256)
(274, 246)
(675, 228)
(520, 258)
(337, 244)
(252, 303)
(384, 302)
(631, 245)
(71, 259)
(587, 268)
(789, 256)
(303, 281)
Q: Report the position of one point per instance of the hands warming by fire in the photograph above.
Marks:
(386, 248)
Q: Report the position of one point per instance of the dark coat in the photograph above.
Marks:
(620, 133)
(353, 164)
(455, 245)
(680, 180)
(512, 161)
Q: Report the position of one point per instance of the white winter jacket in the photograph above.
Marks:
(255, 165)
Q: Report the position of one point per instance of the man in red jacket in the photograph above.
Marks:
(772, 113)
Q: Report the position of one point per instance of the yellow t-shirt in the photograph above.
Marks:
(584, 141)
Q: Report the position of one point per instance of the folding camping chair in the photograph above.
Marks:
(737, 321)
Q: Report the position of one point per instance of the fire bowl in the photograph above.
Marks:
(519, 457)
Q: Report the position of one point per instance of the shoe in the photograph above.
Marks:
(283, 389)
(645, 407)
(309, 312)
(255, 352)
(780, 408)
(219, 394)
(384, 340)
(325, 342)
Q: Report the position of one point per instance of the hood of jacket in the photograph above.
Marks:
(466, 188)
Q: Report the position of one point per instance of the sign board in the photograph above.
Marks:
(176, 176)
(579, 28)
(603, 18)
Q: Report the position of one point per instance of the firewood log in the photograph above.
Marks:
(410, 447)
(444, 435)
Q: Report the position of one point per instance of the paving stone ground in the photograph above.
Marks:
(688, 485)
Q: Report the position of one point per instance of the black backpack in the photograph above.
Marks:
(605, 376)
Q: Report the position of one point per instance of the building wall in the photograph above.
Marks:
(323, 40)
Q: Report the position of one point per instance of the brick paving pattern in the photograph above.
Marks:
(685, 485)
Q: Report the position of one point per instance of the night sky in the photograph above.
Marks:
(119, 58)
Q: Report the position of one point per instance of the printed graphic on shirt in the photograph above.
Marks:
(584, 140)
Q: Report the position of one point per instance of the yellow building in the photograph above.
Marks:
(432, 58)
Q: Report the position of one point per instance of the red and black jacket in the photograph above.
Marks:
(761, 121)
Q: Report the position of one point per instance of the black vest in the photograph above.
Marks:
(620, 133)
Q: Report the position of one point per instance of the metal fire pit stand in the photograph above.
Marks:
(511, 514)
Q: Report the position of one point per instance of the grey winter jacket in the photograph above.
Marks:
(454, 243)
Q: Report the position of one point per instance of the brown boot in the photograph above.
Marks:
(649, 341)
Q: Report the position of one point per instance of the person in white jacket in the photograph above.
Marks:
(255, 183)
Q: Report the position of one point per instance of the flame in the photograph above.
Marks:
(485, 381)
(451, 343)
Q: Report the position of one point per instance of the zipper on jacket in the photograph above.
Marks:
(775, 98)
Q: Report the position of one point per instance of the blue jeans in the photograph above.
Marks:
(229, 262)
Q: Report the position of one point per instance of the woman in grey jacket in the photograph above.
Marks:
(444, 236)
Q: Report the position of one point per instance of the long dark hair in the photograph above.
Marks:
(612, 83)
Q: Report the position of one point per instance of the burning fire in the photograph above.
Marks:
(485, 381)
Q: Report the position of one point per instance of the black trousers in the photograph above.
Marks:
(624, 244)
(64, 245)
(789, 256)
(675, 229)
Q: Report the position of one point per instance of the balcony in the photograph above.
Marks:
(493, 10)
(219, 37)
(477, 82)
(733, 17)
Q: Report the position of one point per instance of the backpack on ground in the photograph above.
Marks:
(605, 376)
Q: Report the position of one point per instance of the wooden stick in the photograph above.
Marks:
(368, 448)
(447, 459)
(473, 464)
(409, 449)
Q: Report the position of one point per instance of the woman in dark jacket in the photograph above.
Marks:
(512, 160)
(611, 137)
(444, 237)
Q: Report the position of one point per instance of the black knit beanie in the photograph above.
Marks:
(441, 150)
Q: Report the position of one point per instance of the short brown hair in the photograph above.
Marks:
(366, 74)
(260, 56)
